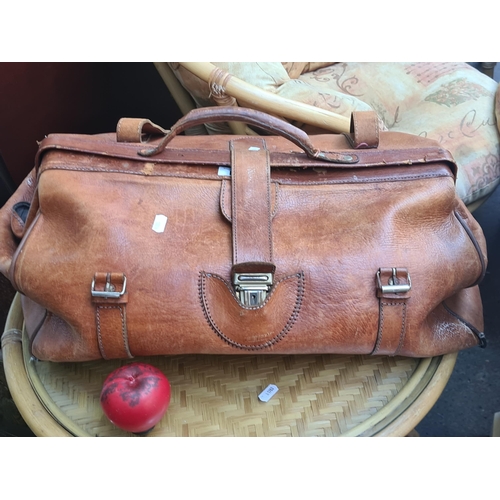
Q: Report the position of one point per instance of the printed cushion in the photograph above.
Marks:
(452, 103)
(295, 69)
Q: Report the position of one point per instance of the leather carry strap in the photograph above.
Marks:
(251, 204)
(259, 119)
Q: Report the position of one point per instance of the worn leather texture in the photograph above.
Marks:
(134, 248)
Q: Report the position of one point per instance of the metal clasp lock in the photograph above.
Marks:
(252, 288)
(109, 291)
(394, 286)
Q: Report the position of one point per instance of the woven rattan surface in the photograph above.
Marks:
(319, 395)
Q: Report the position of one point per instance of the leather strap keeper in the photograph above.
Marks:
(137, 130)
(364, 130)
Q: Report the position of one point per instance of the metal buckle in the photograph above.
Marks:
(394, 286)
(109, 290)
(252, 288)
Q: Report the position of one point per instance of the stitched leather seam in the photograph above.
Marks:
(291, 320)
(215, 177)
(223, 206)
(380, 333)
(124, 330)
(233, 206)
(365, 181)
(36, 331)
(474, 241)
(402, 334)
(15, 270)
(268, 189)
(356, 131)
(276, 199)
(99, 336)
(17, 217)
(472, 328)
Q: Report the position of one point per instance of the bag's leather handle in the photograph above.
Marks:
(259, 119)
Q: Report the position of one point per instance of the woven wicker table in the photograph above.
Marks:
(319, 395)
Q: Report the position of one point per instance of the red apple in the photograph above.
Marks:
(135, 397)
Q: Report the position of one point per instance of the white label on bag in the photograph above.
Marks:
(268, 393)
(224, 171)
(253, 148)
(159, 223)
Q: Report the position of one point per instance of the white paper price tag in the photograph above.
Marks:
(268, 393)
(159, 223)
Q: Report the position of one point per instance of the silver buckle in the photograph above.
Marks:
(252, 288)
(109, 290)
(394, 286)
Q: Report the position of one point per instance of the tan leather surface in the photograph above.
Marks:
(324, 230)
(365, 129)
(137, 130)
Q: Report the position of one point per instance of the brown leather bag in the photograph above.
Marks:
(279, 243)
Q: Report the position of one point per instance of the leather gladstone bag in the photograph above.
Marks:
(148, 242)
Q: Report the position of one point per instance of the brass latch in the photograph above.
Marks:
(252, 288)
